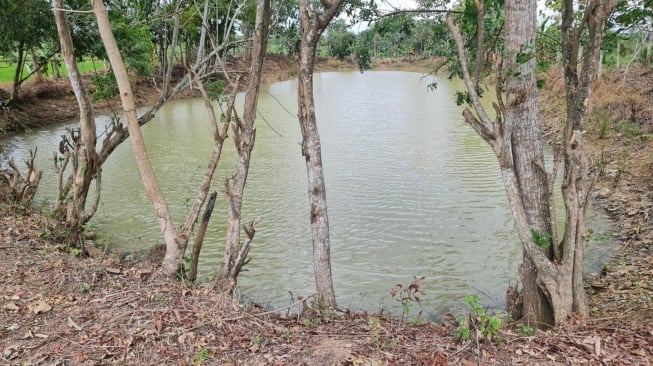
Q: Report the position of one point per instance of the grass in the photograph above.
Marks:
(7, 69)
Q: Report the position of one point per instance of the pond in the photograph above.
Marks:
(412, 191)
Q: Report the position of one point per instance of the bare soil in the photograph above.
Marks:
(60, 309)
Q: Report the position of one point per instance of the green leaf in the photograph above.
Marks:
(542, 240)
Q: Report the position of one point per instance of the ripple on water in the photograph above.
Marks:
(412, 191)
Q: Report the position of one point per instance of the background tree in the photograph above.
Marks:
(339, 40)
(284, 28)
(25, 27)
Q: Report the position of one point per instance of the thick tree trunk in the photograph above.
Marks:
(244, 135)
(83, 155)
(523, 114)
(552, 278)
(313, 24)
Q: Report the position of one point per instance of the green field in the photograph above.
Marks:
(7, 69)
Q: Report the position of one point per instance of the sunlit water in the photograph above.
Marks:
(412, 191)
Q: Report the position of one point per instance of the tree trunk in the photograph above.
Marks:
(38, 75)
(313, 23)
(523, 114)
(579, 177)
(19, 70)
(174, 251)
(170, 61)
(83, 155)
(552, 278)
(244, 135)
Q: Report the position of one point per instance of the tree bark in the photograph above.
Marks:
(578, 175)
(199, 238)
(83, 155)
(313, 23)
(19, 71)
(244, 135)
(174, 251)
(552, 278)
(522, 114)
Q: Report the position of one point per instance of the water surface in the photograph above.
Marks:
(412, 191)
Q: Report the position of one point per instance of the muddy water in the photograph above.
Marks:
(412, 190)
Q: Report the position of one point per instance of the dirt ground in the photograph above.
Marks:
(59, 309)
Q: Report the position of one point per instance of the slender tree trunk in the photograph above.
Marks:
(19, 70)
(579, 177)
(37, 66)
(649, 43)
(83, 155)
(313, 23)
(170, 61)
(174, 252)
(244, 135)
(205, 28)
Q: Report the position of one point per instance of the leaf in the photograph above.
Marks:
(40, 307)
(11, 306)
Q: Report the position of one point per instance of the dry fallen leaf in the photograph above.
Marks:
(40, 306)
(112, 270)
(11, 306)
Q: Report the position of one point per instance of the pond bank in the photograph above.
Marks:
(56, 308)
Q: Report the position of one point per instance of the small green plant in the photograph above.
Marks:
(542, 240)
(90, 227)
(257, 340)
(85, 288)
(526, 330)
(478, 322)
(629, 129)
(203, 355)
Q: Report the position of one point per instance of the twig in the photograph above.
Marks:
(272, 311)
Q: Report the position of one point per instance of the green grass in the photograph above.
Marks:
(7, 69)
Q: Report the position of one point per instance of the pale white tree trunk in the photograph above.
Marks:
(174, 251)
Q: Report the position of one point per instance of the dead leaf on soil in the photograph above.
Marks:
(592, 344)
(11, 306)
(40, 306)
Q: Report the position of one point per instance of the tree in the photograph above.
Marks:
(552, 270)
(80, 148)
(314, 20)
(176, 241)
(339, 40)
(235, 255)
(24, 27)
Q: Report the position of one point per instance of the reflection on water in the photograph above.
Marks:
(412, 190)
